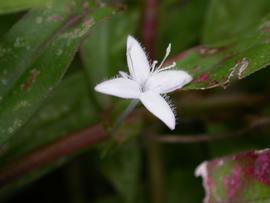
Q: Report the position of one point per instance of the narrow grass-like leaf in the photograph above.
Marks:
(27, 39)
(40, 76)
(60, 115)
(18, 5)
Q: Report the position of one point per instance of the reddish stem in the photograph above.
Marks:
(155, 162)
(54, 151)
(149, 29)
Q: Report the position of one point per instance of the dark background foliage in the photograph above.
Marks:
(55, 143)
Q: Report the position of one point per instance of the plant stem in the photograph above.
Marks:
(155, 168)
(75, 182)
(54, 151)
(155, 162)
(124, 115)
(263, 122)
(150, 25)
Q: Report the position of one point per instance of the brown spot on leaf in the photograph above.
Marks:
(30, 80)
(56, 18)
(266, 27)
(228, 56)
(85, 5)
(88, 22)
(195, 68)
(207, 50)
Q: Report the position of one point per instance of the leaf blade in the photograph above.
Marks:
(39, 78)
(241, 177)
(19, 5)
(221, 65)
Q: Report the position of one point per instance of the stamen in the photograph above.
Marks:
(153, 65)
(168, 50)
(167, 67)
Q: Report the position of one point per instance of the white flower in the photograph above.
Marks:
(147, 83)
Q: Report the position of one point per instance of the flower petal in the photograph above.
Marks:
(167, 81)
(120, 87)
(138, 64)
(158, 106)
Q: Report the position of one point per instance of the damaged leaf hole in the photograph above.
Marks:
(237, 71)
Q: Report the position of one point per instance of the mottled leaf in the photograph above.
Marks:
(60, 115)
(243, 177)
(38, 75)
(219, 66)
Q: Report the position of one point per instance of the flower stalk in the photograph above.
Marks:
(147, 83)
(132, 105)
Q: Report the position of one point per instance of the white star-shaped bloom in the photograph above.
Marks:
(147, 83)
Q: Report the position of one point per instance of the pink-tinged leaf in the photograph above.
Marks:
(220, 65)
(240, 178)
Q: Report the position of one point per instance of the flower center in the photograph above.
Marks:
(144, 87)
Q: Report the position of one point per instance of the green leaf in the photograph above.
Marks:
(243, 177)
(226, 20)
(219, 66)
(180, 24)
(27, 39)
(122, 168)
(38, 69)
(60, 115)
(18, 5)
(237, 44)
(6, 22)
